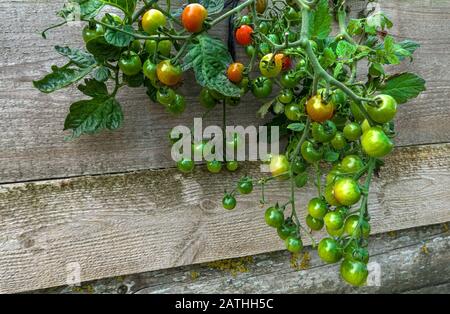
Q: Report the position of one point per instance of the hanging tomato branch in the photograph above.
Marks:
(329, 113)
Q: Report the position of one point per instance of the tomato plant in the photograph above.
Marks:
(309, 84)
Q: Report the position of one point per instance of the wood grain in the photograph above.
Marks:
(32, 142)
(420, 255)
(128, 223)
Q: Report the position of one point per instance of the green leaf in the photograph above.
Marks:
(408, 45)
(345, 49)
(320, 21)
(264, 109)
(77, 56)
(328, 58)
(94, 115)
(102, 74)
(403, 87)
(210, 59)
(93, 88)
(102, 50)
(331, 156)
(127, 6)
(213, 6)
(81, 9)
(296, 127)
(60, 78)
(119, 39)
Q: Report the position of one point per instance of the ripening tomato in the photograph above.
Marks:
(261, 6)
(152, 20)
(376, 143)
(271, 65)
(235, 72)
(279, 166)
(386, 110)
(244, 35)
(168, 73)
(193, 17)
(347, 191)
(318, 110)
(354, 272)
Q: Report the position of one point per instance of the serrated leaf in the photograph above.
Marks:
(60, 78)
(403, 87)
(103, 50)
(328, 58)
(213, 7)
(119, 39)
(320, 21)
(94, 115)
(296, 127)
(102, 74)
(81, 10)
(93, 88)
(345, 49)
(127, 6)
(77, 56)
(264, 109)
(210, 58)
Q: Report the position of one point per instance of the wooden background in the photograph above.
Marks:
(113, 202)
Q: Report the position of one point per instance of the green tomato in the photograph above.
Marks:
(130, 64)
(317, 208)
(347, 191)
(335, 233)
(294, 244)
(323, 132)
(185, 165)
(262, 87)
(339, 97)
(264, 49)
(250, 50)
(338, 142)
(301, 180)
(263, 27)
(206, 99)
(164, 47)
(232, 165)
(274, 38)
(229, 202)
(293, 112)
(151, 46)
(91, 33)
(299, 166)
(353, 252)
(376, 143)
(286, 96)
(245, 186)
(354, 272)
(245, 20)
(290, 79)
(115, 19)
(313, 223)
(274, 217)
(386, 110)
(214, 166)
(356, 112)
(329, 251)
(351, 164)
(340, 120)
(352, 228)
(178, 105)
(149, 70)
(310, 153)
(135, 46)
(165, 95)
(352, 131)
(334, 220)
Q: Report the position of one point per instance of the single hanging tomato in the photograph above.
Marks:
(294, 244)
(164, 47)
(152, 20)
(193, 17)
(232, 165)
(271, 65)
(286, 96)
(130, 64)
(245, 186)
(293, 112)
(338, 142)
(329, 251)
(386, 110)
(235, 72)
(229, 202)
(310, 153)
(274, 217)
(186, 165)
(244, 35)
(214, 166)
(261, 87)
(168, 73)
(92, 32)
(354, 272)
(347, 191)
(318, 110)
(334, 220)
(324, 132)
(290, 79)
(352, 228)
(317, 208)
(376, 143)
(206, 99)
(261, 6)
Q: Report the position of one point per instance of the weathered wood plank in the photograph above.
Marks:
(33, 146)
(406, 267)
(129, 223)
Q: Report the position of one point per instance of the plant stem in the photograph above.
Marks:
(231, 12)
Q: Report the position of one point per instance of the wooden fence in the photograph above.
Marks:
(113, 202)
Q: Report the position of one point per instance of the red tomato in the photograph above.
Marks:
(193, 17)
(244, 35)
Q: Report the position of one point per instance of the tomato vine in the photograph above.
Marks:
(336, 120)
